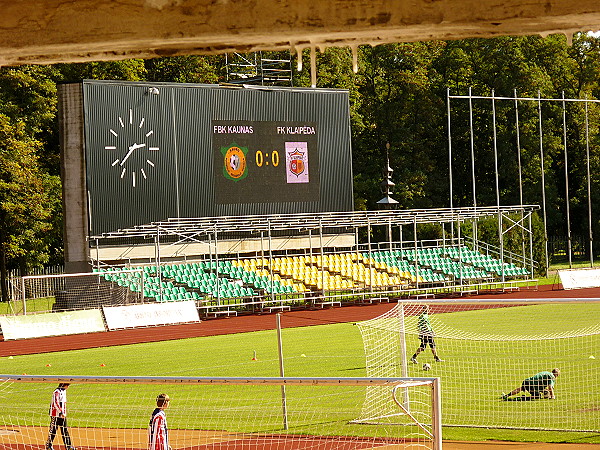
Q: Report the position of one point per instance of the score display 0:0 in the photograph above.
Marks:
(264, 159)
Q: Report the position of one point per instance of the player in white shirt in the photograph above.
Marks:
(58, 417)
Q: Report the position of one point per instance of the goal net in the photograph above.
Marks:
(225, 413)
(488, 348)
(41, 293)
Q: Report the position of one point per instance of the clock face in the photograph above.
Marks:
(133, 147)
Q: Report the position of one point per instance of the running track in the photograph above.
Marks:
(241, 324)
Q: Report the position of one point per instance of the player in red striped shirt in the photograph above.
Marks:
(158, 435)
(58, 417)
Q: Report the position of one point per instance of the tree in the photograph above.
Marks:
(128, 69)
(185, 69)
(26, 197)
(28, 94)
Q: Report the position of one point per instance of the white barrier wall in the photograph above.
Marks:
(51, 324)
(579, 278)
(150, 314)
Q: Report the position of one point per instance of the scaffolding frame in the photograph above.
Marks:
(516, 99)
(187, 230)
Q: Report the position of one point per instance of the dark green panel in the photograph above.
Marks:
(129, 185)
(163, 158)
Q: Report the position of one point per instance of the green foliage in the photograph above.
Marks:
(27, 197)
(28, 95)
(129, 70)
(184, 69)
(397, 97)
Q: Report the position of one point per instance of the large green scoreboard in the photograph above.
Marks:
(157, 151)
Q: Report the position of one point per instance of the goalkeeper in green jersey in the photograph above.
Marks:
(539, 385)
(426, 335)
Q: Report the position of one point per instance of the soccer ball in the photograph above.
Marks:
(546, 393)
(426, 366)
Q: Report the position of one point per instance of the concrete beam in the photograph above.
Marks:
(72, 158)
(51, 31)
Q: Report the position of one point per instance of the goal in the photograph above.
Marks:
(488, 348)
(41, 293)
(225, 413)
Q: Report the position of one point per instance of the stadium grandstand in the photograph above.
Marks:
(235, 265)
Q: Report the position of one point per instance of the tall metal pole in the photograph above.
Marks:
(401, 239)
(403, 355)
(417, 271)
(460, 250)
(158, 266)
(589, 187)
(281, 371)
(569, 243)
(475, 239)
(370, 256)
(444, 235)
(543, 181)
(518, 135)
(24, 298)
(217, 268)
(530, 245)
(500, 231)
(322, 258)
(450, 154)
(270, 261)
(97, 255)
(262, 246)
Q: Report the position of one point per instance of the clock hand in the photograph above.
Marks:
(131, 149)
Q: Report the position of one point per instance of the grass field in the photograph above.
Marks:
(337, 351)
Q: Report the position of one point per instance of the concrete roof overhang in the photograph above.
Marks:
(52, 31)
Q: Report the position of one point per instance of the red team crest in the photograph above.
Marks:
(296, 155)
(297, 162)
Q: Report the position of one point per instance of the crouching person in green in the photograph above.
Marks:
(541, 385)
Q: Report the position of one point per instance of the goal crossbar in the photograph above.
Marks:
(314, 412)
(346, 381)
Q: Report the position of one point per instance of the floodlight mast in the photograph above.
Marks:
(515, 98)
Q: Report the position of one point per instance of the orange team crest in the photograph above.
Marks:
(234, 163)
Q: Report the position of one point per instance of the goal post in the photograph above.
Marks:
(221, 412)
(62, 292)
(488, 347)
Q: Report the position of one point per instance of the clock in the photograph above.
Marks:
(132, 148)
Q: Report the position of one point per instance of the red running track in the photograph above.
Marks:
(241, 324)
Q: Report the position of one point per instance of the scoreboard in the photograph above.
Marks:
(158, 151)
(258, 162)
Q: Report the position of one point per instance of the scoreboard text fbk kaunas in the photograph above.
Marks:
(159, 151)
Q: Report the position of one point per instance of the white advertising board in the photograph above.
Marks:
(132, 316)
(51, 324)
(579, 278)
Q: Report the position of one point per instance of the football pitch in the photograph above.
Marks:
(337, 351)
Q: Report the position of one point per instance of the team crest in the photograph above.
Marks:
(296, 163)
(234, 162)
(296, 154)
